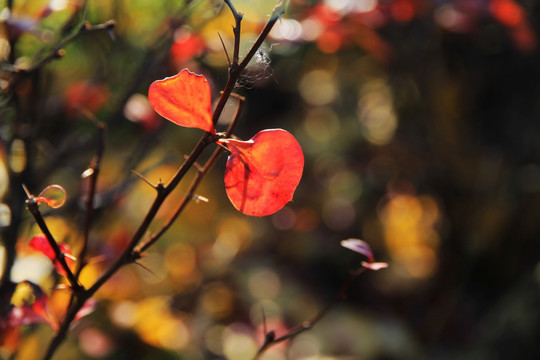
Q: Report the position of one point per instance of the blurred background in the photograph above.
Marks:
(419, 124)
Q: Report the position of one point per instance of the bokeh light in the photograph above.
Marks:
(95, 343)
(318, 87)
(238, 343)
(376, 112)
(264, 284)
(409, 223)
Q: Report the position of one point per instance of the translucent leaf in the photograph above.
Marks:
(374, 265)
(53, 196)
(86, 309)
(183, 99)
(363, 248)
(263, 173)
(358, 246)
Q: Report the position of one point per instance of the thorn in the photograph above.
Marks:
(69, 256)
(265, 330)
(196, 164)
(28, 194)
(239, 97)
(223, 146)
(225, 49)
(140, 176)
(199, 198)
(147, 269)
(236, 96)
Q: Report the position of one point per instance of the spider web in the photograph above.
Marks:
(259, 69)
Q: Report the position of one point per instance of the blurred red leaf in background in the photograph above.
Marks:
(187, 46)
(41, 244)
(85, 95)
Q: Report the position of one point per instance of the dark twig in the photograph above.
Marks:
(236, 71)
(33, 207)
(91, 174)
(236, 31)
(270, 339)
(58, 51)
(73, 309)
(163, 191)
(190, 194)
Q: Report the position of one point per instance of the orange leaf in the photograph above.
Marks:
(263, 173)
(183, 99)
(53, 196)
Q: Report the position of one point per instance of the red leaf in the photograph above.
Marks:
(84, 95)
(263, 173)
(183, 99)
(41, 244)
(86, 309)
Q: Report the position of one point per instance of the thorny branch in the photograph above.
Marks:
(33, 207)
(190, 194)
(131, 253)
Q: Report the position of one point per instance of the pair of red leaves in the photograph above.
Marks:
(262, 173)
